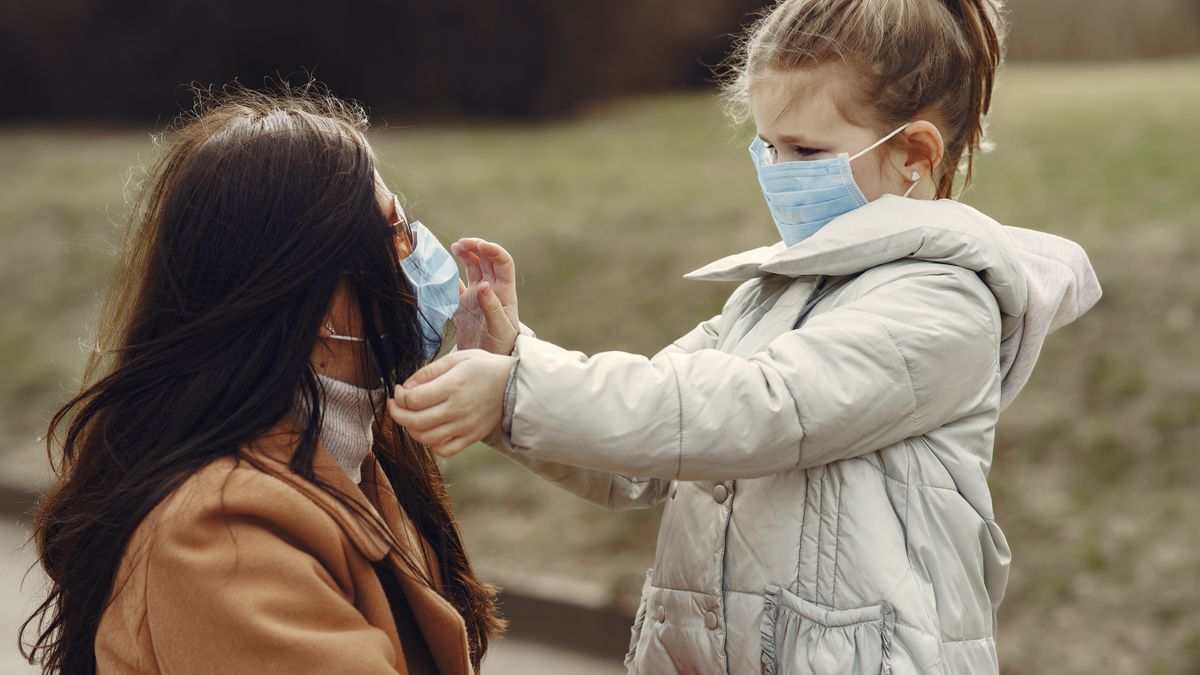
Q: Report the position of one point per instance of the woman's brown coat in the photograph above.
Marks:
(243, 571)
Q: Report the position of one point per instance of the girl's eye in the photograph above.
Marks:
(802, 151)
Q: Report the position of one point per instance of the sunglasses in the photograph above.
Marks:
(400, 225)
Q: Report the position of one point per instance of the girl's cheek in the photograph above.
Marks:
(867, 181)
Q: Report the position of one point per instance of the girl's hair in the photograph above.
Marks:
(263, 203)
(909, 58)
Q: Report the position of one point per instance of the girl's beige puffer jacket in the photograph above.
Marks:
(822, 445)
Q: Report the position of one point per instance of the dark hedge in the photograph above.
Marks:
(127, 59)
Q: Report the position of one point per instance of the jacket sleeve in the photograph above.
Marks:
(901, 360)
(607, 489)
(246, 583)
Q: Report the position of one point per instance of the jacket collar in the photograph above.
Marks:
(886, 230)
(1041, 282)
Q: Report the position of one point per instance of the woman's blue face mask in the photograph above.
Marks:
(805, 195)
(434, 277)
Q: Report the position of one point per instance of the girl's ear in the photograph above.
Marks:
(925, 148)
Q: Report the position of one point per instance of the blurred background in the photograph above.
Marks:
(586, 137)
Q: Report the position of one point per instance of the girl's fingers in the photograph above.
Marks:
(492, 258)
(435, 437)
(471, 262)
(423, 397)
(468, 246)
(453, 446)
(432, 418)
(497, 321)
(502, 263)
(426, 388)
(488, 300)
(422, 423)
(413, 420)
(434, 370)
(465, 251)
(489, 270)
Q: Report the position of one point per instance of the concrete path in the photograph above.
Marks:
(17, 600)
(18, 594)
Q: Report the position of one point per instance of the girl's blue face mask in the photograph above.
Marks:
(805, 195)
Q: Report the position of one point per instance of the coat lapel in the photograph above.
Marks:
(440, 623)
(277, 446)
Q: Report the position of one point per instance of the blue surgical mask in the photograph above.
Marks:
(805, 195)
(434, 276)
(435, 281)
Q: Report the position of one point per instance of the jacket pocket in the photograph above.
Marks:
(802, 638)
(638, 620)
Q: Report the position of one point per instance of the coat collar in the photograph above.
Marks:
(277, 446)
(440, 623)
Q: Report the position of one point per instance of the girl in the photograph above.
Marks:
(822, 445)
(228, 499)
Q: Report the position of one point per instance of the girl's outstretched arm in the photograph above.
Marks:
(902, 360)
(609, 490)
(487, 319)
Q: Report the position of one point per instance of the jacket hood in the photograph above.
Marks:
(1041, 282)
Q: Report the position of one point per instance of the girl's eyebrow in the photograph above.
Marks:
(794, 139)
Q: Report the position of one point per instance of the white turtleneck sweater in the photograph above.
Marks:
(348, 414)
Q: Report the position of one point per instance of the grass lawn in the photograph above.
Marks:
(1096, 478)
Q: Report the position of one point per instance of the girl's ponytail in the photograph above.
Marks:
(982, 29)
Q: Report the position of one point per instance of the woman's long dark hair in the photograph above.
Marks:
(260, 206)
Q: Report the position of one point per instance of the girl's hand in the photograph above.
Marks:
(487, 312)
(454, 401)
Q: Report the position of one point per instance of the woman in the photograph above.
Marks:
(229, 496)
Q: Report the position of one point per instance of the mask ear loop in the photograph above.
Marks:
(385, 379)
(916, 176)
(881, 141)
(333, 334)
